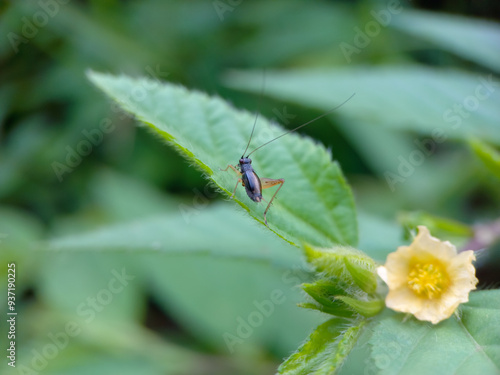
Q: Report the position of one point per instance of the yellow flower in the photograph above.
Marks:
(428, 278)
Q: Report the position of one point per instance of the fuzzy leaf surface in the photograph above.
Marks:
(315, 204)
(324, 351)
(393, 345)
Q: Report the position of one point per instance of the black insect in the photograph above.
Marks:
(250, 180)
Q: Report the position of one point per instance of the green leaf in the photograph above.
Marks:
(191, 270)
(60, 286)
(234, 305)
(488, 155)
(324, 350)
(315, 204)
(428, 107)
(212, 230)
(125, 347)
(345, 346)
(440, 227)
(123, 197)
(481, 320)
(474, 39)
(274, 26)
(465, 345)
(348, 264)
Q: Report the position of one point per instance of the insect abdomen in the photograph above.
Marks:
(252, 185)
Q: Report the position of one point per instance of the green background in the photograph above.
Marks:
(71, 233)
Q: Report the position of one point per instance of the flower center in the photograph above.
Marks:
(428, 280)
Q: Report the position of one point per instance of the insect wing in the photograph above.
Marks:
(252, 185)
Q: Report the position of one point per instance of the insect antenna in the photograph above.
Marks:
(258, 110)
(301, 126)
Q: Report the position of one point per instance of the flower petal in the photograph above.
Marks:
(435, 311)
(426, 244)
(382, 272)
(428, 278)
(397, 265)
(404, 300)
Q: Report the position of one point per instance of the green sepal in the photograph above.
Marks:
(365, 308)
(324, 292)
(362, 270)
(341, 310)
(334, 298)
(345, 263)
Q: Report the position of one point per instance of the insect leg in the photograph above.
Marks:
(239, 179)
(232, 167)
(234, 191)
(267, 183)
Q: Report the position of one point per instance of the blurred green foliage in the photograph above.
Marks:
(171, 316)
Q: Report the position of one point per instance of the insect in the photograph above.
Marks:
(248, 177)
